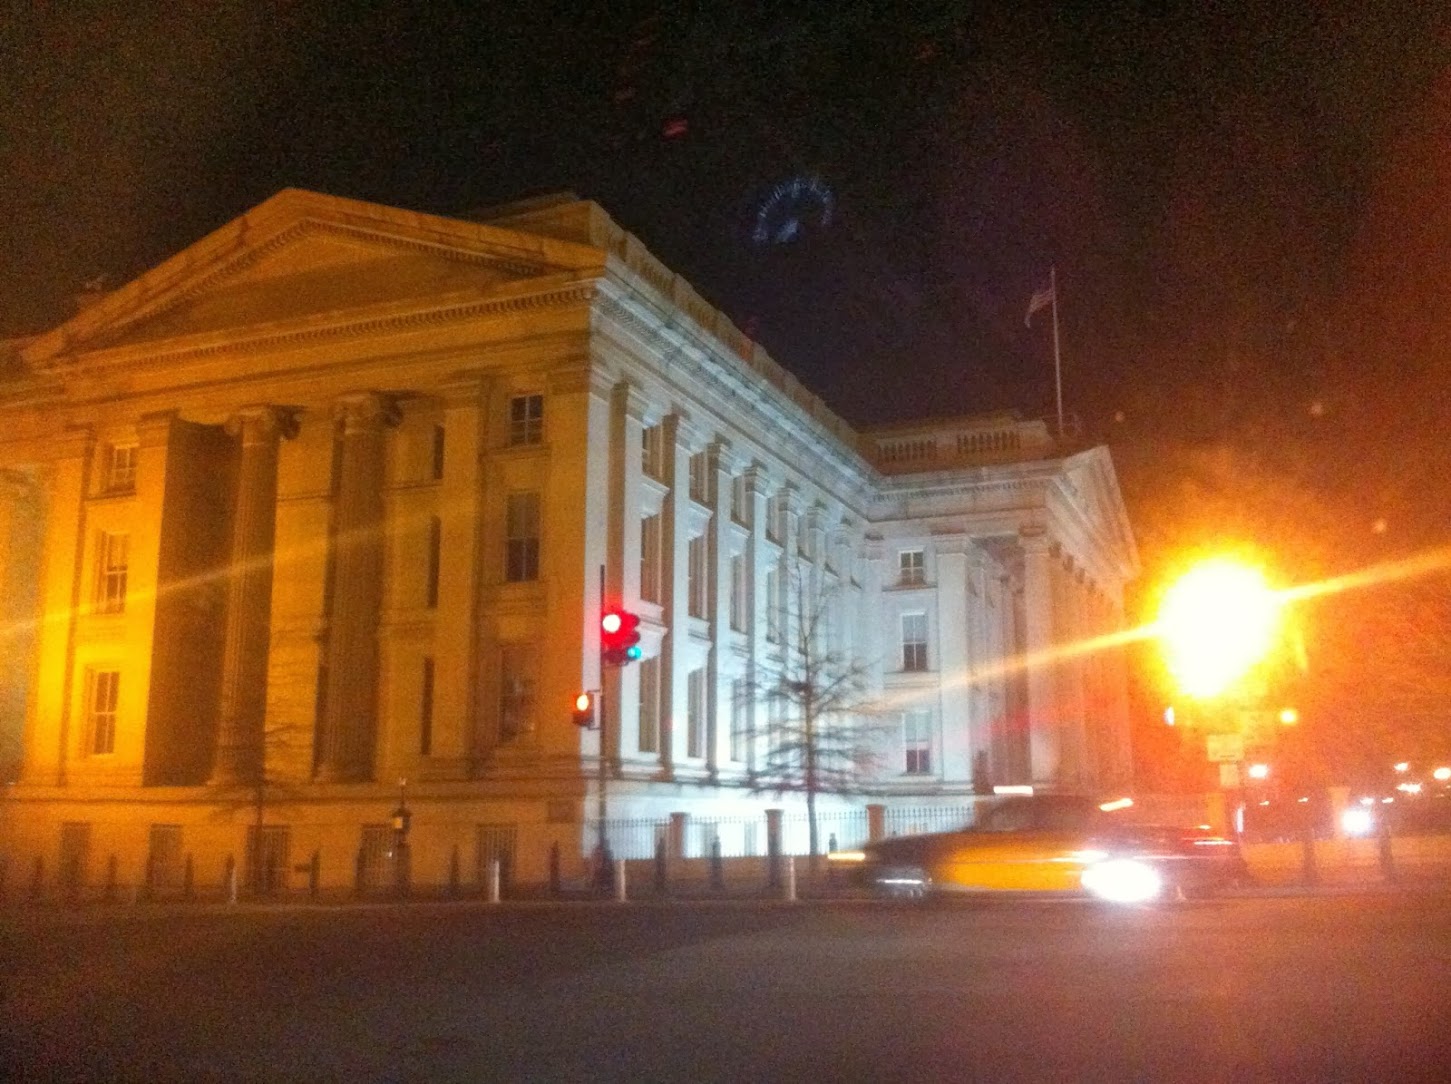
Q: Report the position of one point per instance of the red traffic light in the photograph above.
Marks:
(619, 637)
(584, 709)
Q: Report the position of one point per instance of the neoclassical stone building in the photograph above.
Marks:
(318, 516)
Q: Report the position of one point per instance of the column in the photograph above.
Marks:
(756, 555)
(349, 725)
(622, 564)
(49, 723)
(718, 687)
(1044, 739)
(674, 654)
(953, 616)
(241, 752)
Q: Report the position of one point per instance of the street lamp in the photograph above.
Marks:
(1216, 622)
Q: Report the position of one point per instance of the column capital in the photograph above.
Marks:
(958, 544)
(721, 456)
(359, 411)
(631, 400)
(1035, 539)
(262, 424)
(153, 430)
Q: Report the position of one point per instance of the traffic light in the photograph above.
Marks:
(584, 709)
(619, 637)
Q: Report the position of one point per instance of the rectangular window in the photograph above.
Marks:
(912, 569)
(435, 551)
(526, 419)
(699, 478)
(121, 468)
(914, 641)
(738, 593)
(521, 559)
(425, 709)
(113, 557)
(102, 696)
(773, 608)
(650, 706)
(695, 593)
(652, 451)
(917, 741)
(439, 437)
(516, 691)
(650, 558)
(695, 713)
(738, 720)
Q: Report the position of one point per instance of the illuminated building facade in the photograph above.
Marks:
(332, 499)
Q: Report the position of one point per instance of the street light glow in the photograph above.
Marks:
(1215, 623)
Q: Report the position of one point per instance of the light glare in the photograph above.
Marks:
(1216, 622)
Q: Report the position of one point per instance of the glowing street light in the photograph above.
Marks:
(1441, 775)
(1259, 771)
(1215, 623)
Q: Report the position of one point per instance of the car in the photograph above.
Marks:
(1051, 843)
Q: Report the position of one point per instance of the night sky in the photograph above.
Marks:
(1246, 204)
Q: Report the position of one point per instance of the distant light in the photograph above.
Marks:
(1304, 799)
(846, 856)
(1409, 788)
(1116, 804)
(1380, 526)
(1387, 801)
(1169, 715)
(1441, 774)
(1367, 801)
(1403, 766)
(1013, 788)
(1357, 822)
(1259, 771)
(1289, 716)
(1216, 622)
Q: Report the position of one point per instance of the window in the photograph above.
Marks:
(650, 706)
(121, 468)
(738, 719)
(695, 593)
(425, 709)
(102, 696)
(526, 419)
(773, 606)
(914, 641)
(699, 478)
(521, 560)
(738, 592)
(439, 436)
(516, 690)
(435, 548)
(113, 557)
(913, 571)
(652, 451)
(650, 559)
(695, 713)
(917, 741)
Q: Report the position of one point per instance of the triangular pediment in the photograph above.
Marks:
(1095, 484)
(302, 255)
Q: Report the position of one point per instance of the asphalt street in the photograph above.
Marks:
(1288, 988)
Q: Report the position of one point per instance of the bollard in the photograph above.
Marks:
(620, 895)
(454, 875)
(231, 879)
(791, 878)
(314, 874)
(717, 866)
(554, 875)
(662, 875)
(493, 880)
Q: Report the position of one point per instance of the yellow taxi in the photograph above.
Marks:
(1050, 843)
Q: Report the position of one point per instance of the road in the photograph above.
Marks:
(1345, 987)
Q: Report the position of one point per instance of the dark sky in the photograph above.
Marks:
(1203, 176)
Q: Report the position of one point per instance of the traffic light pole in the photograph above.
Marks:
(602, 714)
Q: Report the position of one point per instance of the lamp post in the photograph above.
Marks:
(401, 856)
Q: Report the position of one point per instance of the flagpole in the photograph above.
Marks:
(1057, 359)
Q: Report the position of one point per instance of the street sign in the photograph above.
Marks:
(1224, 748)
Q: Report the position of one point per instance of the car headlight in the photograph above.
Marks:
(1123, 880)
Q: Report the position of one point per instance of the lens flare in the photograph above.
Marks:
(1215, 624)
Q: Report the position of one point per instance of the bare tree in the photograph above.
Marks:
(278, 772)
(823, 725)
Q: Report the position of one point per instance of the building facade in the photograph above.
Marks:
(311, 526)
